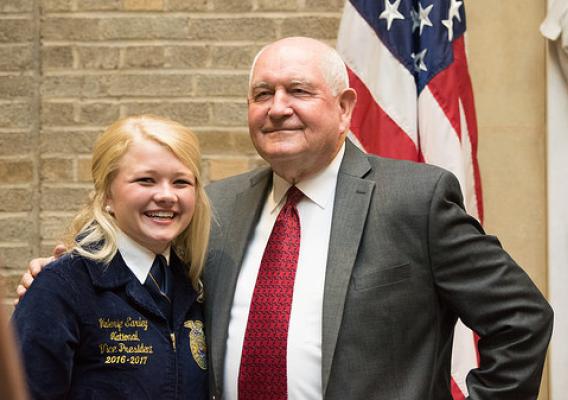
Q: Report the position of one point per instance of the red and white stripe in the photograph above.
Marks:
(438, 127)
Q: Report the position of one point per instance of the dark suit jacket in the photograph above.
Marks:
(405, 261)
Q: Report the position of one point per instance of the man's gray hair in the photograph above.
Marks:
(332, 68)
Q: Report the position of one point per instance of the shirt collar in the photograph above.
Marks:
(319, 188)
(137, 257)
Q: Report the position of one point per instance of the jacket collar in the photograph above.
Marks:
(116, 274)
(111, 275)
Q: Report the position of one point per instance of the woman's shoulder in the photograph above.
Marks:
(70, 267)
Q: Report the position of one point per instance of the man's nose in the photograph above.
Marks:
(281, 106)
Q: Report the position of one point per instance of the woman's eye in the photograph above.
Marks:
(144, 180)
(183, 182)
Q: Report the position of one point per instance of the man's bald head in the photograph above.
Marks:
(331, 64)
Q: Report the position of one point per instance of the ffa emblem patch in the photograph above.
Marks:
(197, 342)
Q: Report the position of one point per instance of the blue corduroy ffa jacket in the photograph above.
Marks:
(92, 331)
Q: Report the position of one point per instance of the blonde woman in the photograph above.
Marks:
(120, 315)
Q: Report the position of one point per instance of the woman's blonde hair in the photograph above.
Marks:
(93, 231)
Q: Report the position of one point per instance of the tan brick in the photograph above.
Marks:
(98, 5)
(16, 256)
(15, 200)
(243, 144)
(67, 28)
(277, 5)
(188, 113)
(323, 5)
(15, 86)
(58, 114)
(56, 5)
(232, 5)
(16, 30)
(218, 29)
(102, 114)
(16, 6)
(219, 169)
(98, 57)
(230, 113)
(53, 57)
(46, 247)
(186, 56)
(54, 227)
(16, 229)
(15, 115)
(16, 171)
(56, 169)
(187, 5)
(316, 27)
(144, 27)
(12, 143)
(141, 5)
(9, 280)
(15, 58)
(214, 142)
(222, 85)
(57, 141)
(84, 170)
(144, 57)
(71, 86)
(63, 198)
(233, 57)
(156, 84)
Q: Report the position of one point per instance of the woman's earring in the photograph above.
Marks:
(108, 209)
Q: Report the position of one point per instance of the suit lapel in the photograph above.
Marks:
(246, 208)
(352, 199)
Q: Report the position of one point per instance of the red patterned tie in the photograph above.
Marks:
(262, 374)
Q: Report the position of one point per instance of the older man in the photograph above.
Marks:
(388, 259)
(333, 274)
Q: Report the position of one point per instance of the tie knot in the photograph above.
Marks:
(162, 260)
(294, 195)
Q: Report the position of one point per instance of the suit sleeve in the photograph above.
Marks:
(492, 295)
(47, 329)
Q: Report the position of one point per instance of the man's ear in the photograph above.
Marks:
(347, 101)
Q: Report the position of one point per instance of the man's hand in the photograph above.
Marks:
(34, 267)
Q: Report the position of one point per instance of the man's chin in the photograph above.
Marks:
(281, 155)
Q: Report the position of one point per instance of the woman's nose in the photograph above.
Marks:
(165, 193)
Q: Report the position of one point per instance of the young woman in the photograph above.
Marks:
(120, 316)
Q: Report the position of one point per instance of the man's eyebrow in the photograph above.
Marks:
(300, 82)
(260, 85)
(295, 82)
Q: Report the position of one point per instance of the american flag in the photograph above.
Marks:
(407, 62)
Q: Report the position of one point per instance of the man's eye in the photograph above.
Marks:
(299, 91)
(261, 96)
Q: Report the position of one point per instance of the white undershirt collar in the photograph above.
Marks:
(137, 257)
(316, 188)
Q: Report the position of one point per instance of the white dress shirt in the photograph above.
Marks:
(137, 257)
(305, 329)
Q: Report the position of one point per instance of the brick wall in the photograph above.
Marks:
(68, 68)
